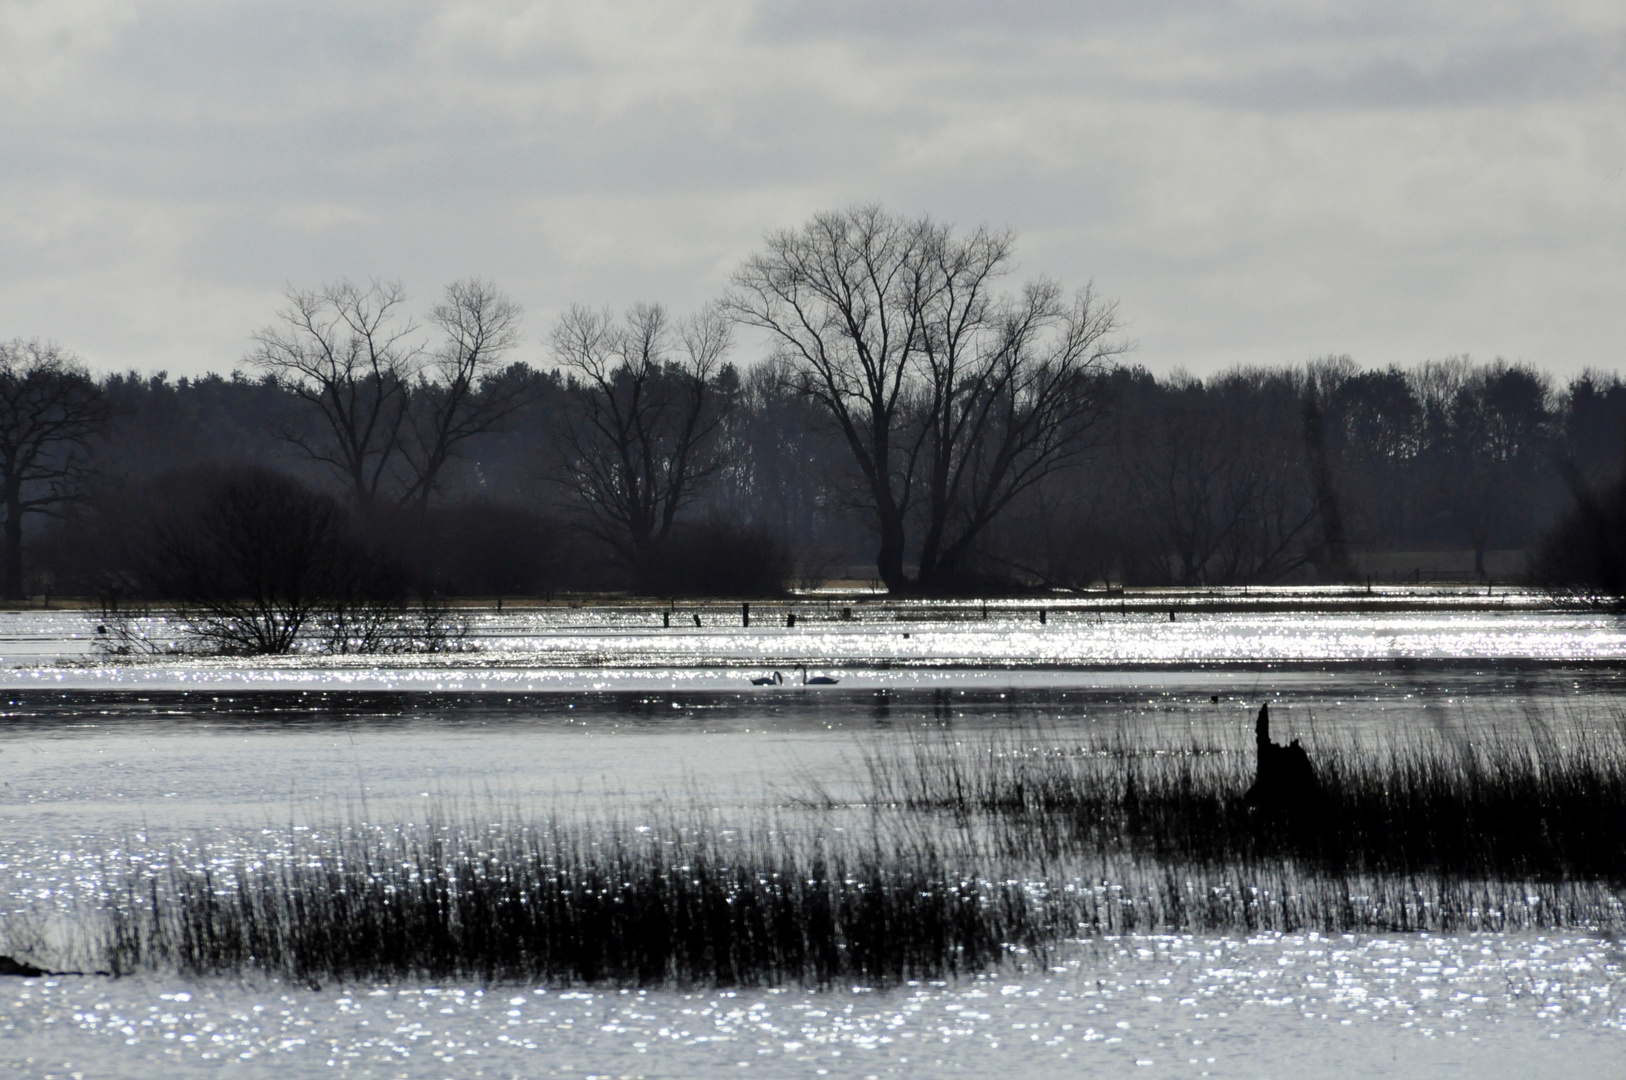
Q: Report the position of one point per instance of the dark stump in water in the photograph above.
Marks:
(9, 966)
(24, 970)
(1286, 784)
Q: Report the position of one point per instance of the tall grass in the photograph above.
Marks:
(1538, 806)
(578, 902)
(959, 853)
(586, 902)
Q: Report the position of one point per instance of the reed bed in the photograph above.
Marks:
(959, 853)
(568, 903)
(1536, 806)
(692, 903)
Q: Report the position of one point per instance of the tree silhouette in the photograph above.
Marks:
(49, 410)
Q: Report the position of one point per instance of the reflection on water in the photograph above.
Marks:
(898, 645)
(1479, 1005)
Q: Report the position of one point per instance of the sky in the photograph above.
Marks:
(1255, 183)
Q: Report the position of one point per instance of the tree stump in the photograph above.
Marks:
(1285, 783)
(20, 968)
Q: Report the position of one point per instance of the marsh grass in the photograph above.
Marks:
(584, 902)
(960, 853)
(577, 902)
(1534, 806)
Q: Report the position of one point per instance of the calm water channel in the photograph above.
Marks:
(608, 709)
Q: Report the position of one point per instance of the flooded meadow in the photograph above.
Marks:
(634, 729)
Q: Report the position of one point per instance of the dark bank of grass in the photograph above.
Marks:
(1532, 806)
(586, 902)
(961, 853)
(575, 903)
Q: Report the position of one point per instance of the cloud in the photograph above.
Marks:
(1256, 182)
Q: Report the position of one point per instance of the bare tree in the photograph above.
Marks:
(389, 411)
(841, 298)
(457, 395)
(253, 558)
(636, 442)
(1324, 378)
(257, 564)
(1015, 405)
(349, 354)
(49, 409)
(934, 379)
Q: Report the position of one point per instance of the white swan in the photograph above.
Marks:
(769, 680)
(817, 680)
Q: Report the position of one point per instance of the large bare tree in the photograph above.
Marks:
(351, 355)
(389, 410)
(457, 395)
(952, 397)
(49, 409)
(1007, 406)
(636, 442)
(841, 299)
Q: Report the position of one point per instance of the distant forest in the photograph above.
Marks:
(974, 443)
(1185, 481)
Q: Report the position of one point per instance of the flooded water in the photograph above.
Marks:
(1470, 1006)
(897, 645)
(609, 708)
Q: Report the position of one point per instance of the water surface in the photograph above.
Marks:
(1466, 1005)
(606, 710)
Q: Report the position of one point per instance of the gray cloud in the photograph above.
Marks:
(1255, 182)
(1500, 75)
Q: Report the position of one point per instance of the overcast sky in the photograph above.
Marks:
(1256, 183)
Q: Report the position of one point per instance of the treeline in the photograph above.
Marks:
(1302, 473)
(906, 418)
(1188, 481)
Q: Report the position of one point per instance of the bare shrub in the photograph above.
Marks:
(258, 565)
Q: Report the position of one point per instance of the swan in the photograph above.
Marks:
(769, 680)
(817, 680)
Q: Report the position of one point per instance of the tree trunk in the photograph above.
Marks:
(931, 573)
(14, 546)
(1335, 549)
(889, 560)
(944, 570)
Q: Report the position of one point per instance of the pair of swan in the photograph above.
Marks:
(778, 679)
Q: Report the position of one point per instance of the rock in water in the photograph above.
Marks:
(1286, 782)
(10, 966)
